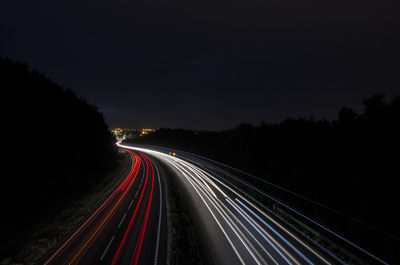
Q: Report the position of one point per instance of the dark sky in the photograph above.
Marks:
(209, 64)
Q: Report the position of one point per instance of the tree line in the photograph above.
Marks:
(351, 164)
(55, 146)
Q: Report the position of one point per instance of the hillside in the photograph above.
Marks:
(56, 147)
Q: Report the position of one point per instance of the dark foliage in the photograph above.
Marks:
(351, 164)
(56, 147)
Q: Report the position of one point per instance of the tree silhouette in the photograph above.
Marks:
(350, 164)
(57, 147)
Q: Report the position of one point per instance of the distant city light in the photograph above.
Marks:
(123, 133)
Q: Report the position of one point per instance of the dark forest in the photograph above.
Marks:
(56, 148)
(350, 164)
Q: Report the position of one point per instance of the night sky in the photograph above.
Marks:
(209, 64)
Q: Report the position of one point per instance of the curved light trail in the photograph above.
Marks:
(106, 237)
(254, 234)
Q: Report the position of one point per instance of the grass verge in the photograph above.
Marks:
(183, 244)
(46, 237)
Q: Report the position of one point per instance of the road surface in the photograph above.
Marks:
(128, 228)
(234, 227)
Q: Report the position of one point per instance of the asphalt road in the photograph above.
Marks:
(233, 228)
(130, 227)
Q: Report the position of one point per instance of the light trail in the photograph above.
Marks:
(106, 236)
(83, 227)
(159, 216)
(89, 239)
(138, 247)
(266, 238)
(210, 191)
(114, 261)
(211, 187)
(227, 212)
(270, 228)
(243, 195)
(328, 230)
(218, 222)
(269, 217)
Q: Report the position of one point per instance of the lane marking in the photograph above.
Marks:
(122, 220)
(159, 217)
(274, 231)
(131, 203)
(92, 217)
(201, 176)
(108, 246)
(193, 168)
(212, 214)
(138, 247)
(297, 212)
(110, 213)
(133, 217)
(258, 230)
(271, 219)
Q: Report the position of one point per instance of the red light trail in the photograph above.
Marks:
(138, 247)
(83, 247)
(136, 209)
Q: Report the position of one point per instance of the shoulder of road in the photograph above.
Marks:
(50, 234)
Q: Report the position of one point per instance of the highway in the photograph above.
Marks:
(234, 227)
(129, 227)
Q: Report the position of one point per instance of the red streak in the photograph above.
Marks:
(133, 173)
(138, 247)
(88, 222)
(133, 217)
(128, 179)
